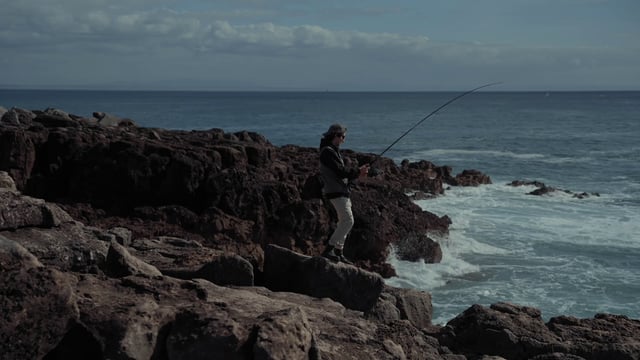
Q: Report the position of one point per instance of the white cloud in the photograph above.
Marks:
(57, 25)
(152, 41)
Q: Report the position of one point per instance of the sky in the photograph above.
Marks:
(327, 45)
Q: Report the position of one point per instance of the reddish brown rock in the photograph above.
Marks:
(232, 192)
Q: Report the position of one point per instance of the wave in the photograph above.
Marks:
(463, 154)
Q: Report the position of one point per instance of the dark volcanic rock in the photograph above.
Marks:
(71, 291)
(518, 332)
(543, 189)
(232, 192)
(285, 270)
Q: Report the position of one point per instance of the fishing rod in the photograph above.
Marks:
(374, 172)
(431, 114)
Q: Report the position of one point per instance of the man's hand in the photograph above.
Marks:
(364, 170)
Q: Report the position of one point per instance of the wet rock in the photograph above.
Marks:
(469, 178)
(543, 189)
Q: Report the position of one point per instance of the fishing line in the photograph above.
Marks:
(431, 114)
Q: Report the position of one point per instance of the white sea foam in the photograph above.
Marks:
(558, 253)
(461, 154)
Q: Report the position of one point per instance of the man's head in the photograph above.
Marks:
(336, 133)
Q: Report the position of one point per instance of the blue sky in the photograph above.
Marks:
(372, 45)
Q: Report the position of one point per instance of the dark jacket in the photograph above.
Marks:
(334, 174)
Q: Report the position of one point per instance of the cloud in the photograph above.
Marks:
(115, 28)
(166, 41)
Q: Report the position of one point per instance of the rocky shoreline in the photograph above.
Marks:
(122, 242)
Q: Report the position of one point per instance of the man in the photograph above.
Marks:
(336, 178)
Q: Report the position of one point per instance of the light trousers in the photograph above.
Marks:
(345, 221)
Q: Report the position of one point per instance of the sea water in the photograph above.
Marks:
(561, 254)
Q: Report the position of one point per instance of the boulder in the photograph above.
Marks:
(106, 119)
(6, 182)
(504, 329)
(38, 304)
(605, 336)
(121, 263)
(17, 211)
(17, 117)
(283, 335)
(285, 270)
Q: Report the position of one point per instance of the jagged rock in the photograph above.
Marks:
(193, 202)
(414, 305)
(283, 335)
(527, 183)
(285, 270)
(121, 235)
(14, 256)
(235, 190)
(469, 178)
(197, 336)
(385, 309)
(17, 117)
(221, 270)
(403, 304)
(106, 119)
(17, 211)
(6, 182)
(55, 118)
(606, 336)
(121, 263)
(417, 246)
(188, 259)
(37, 304)
(507, 330)
(543, 189)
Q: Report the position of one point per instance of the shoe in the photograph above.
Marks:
(330, 253)
(341, 257)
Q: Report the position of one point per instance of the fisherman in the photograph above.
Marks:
(336, 178)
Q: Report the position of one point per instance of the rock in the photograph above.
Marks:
(209, 206)
(14, 256)
(236, 190)
(6, 182)
(543, 189)
(417, 246)
(507, 330)
(413, 305)
(384, 310)
(121, 235)
(55, 118)
(606, 336)
(221, 270)
(37, 304)
(285, 270)
(17, 117)
(106, 119)
(469, 178)
(285, 334)
(17, 211)
(403, 304)
(121, 263)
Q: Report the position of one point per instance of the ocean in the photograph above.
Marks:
(560, 254)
